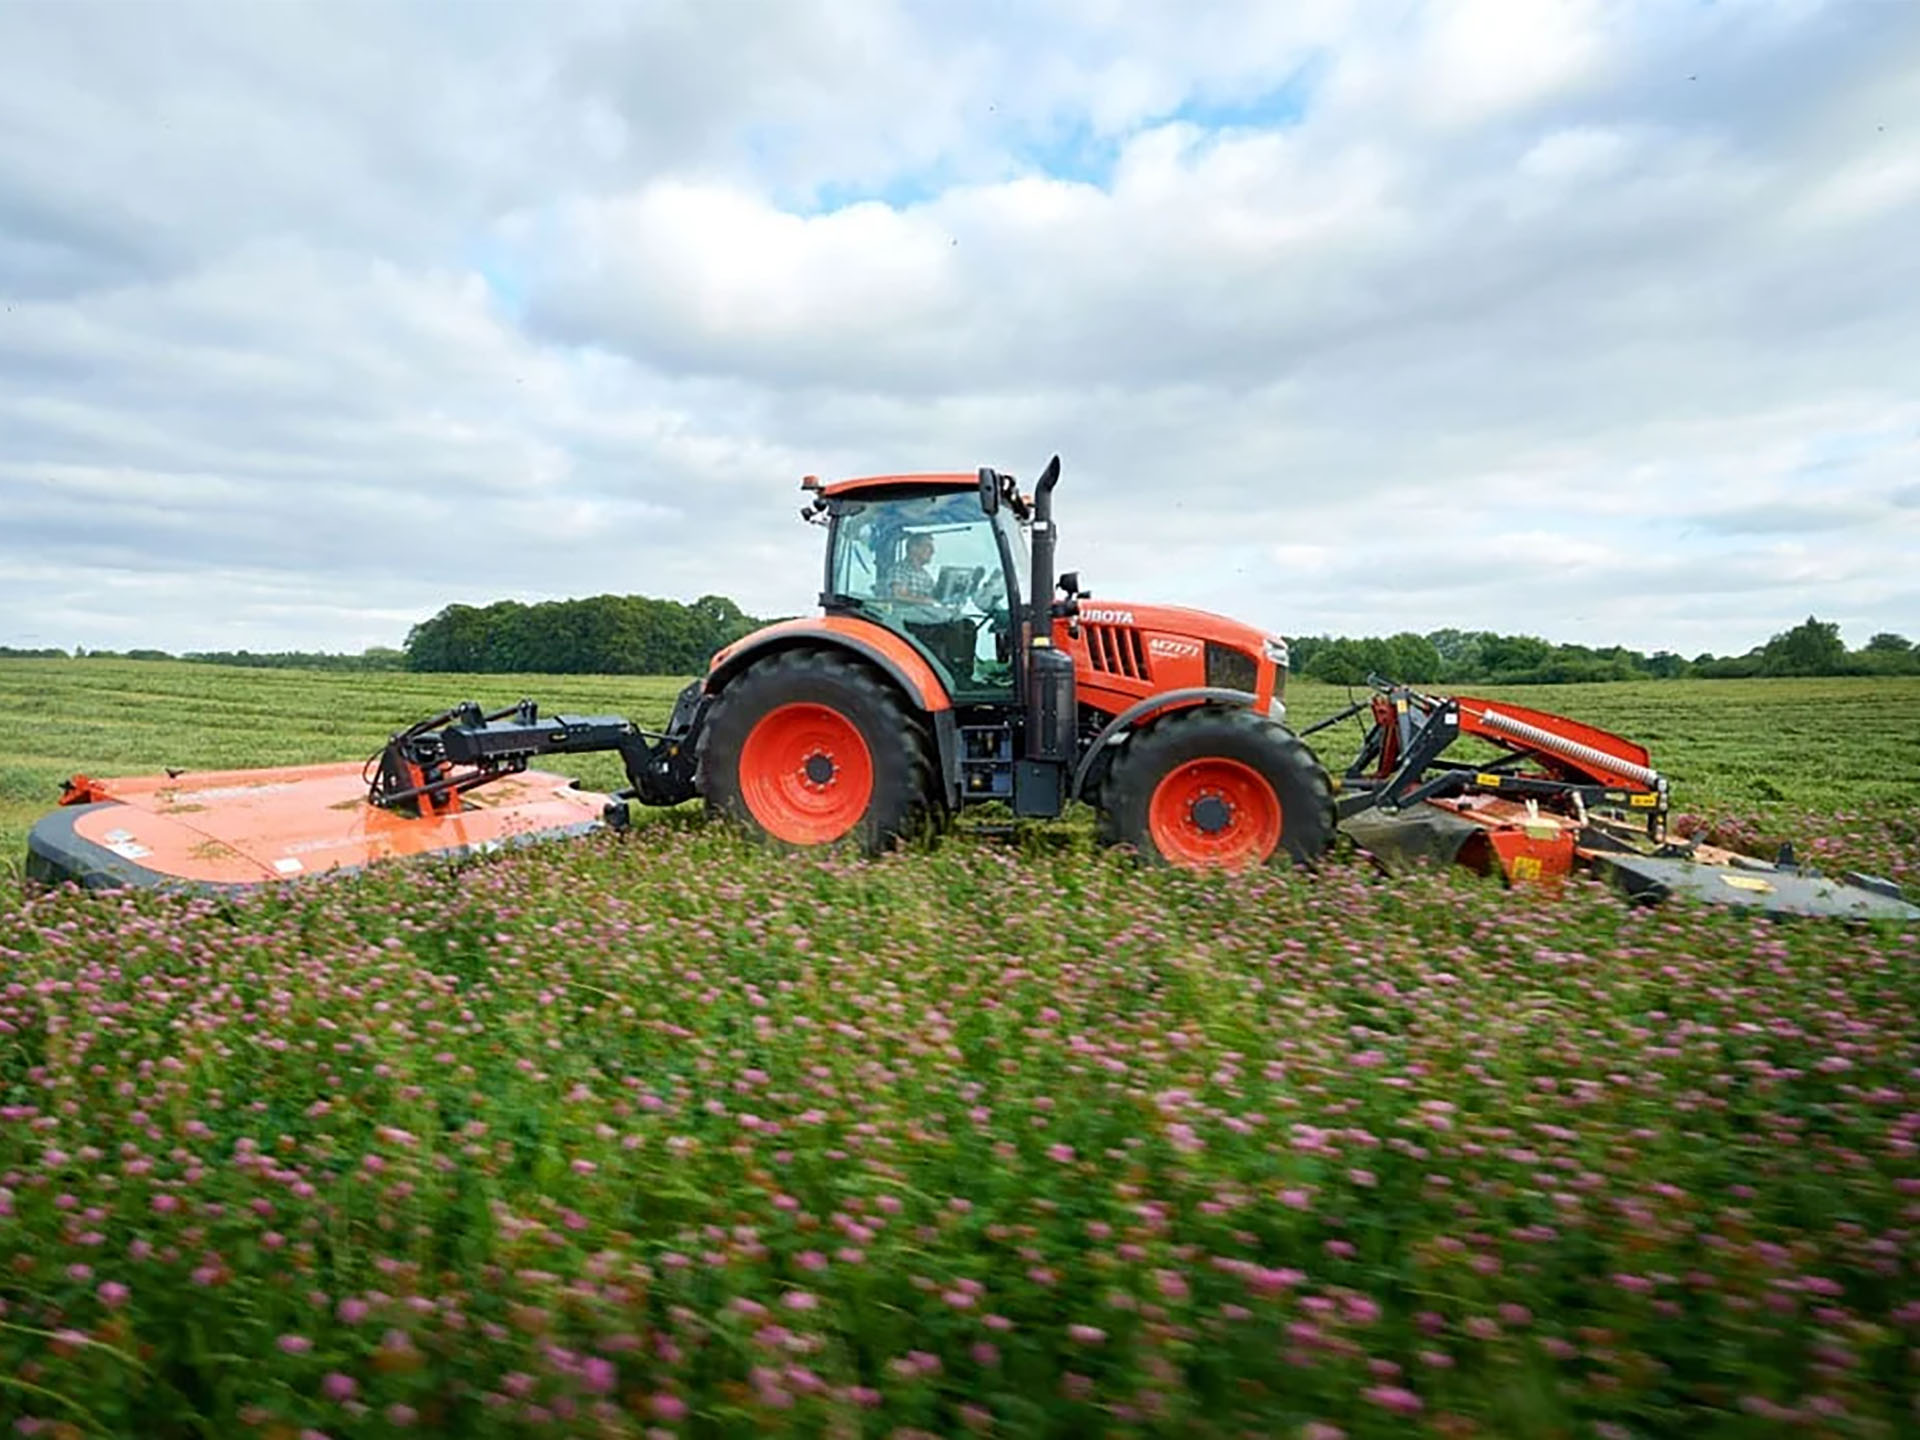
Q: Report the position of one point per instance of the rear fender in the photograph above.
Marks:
(879, 647)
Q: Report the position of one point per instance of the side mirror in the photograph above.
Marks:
(1070, 582)
(989, 491)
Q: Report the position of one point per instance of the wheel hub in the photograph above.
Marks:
(806, 774)
(1211, 813)
(1214, 810)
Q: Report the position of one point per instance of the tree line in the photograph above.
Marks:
(604, 635)
(640, 635)
(1813, 647)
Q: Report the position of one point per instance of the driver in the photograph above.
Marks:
(912, 582)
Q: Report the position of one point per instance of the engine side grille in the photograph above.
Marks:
(1117, 650)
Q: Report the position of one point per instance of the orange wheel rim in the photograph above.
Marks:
(1214, 813)
(806, 774)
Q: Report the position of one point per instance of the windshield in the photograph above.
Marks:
(930, 569)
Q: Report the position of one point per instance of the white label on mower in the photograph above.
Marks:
(229, 792)
(340, 842)
(288, 866)
(129, 850)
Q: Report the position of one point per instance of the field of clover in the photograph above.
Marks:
(671, 1136)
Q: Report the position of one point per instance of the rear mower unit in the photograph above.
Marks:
(920, 690)
(1562, 798)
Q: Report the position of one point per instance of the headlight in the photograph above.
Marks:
(1230, 668)
(1277, 652)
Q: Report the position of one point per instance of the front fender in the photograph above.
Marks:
(1143, 709)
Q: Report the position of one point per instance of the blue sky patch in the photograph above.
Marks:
(1070, 148)
(493, 261)
(1278, 108)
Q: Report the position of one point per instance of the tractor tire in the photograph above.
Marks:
(808, 747)
(1216, 788)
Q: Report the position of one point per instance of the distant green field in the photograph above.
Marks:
(1728, 745)
(673, 1134)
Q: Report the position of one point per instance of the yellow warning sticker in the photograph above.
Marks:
(1526, 867)
(1748, 882)
(1644, 802)
(1487, 777)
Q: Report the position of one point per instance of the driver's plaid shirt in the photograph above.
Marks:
(912, 580)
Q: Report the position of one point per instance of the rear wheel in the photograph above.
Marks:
(1215, 788)
(808, 747)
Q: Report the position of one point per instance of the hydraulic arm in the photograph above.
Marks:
(428, 766)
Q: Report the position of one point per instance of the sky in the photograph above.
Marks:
(1599, 322)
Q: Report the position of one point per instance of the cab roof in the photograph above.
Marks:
(937, 480)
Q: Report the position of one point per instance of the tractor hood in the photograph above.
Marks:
(1176, 622)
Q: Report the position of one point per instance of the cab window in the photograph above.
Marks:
(930, 569)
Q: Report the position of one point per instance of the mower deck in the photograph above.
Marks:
(1493, 836)
(237, 829)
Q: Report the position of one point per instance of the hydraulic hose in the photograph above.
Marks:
(1568, 749)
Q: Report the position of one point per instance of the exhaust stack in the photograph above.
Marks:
(1050, 681)
(1041, 607)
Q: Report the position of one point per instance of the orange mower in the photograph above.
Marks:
(941, 673)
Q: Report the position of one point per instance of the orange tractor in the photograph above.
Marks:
(944, 673)
(948, 668)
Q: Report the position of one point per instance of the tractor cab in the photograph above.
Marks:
(937, 562)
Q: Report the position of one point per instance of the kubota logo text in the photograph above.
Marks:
(1108, 617)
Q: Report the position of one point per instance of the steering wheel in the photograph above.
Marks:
(926, 610)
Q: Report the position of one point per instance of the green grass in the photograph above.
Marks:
(1729, 745)
(670, 1133)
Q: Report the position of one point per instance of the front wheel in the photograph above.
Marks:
(808, 747)
(1211, 788)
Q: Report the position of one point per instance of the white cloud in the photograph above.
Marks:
(1867, 188)
(1577, 155)
(1483, 58)
(1595, 321)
